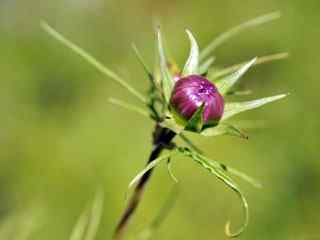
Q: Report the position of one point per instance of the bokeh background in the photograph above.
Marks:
(60, 139)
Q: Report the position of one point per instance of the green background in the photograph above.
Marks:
(60, 139)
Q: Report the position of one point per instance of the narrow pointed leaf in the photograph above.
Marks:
(227, 82)
(234, 172)
(151, 165)
(91, 60)
(234, 108)
(87, 226)
(218, 73)
(219, 173)
(215, 164)
(150, 231)
(243, 176)
(167, 80)
(196, 121)
(192, 64)
(95, 216)
(238, 29)
(143, 63)
(166, 208)
(79, 229)
(129, 106)
(223, 129)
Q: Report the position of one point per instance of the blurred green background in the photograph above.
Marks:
(60, 139)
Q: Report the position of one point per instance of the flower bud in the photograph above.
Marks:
(191, 92)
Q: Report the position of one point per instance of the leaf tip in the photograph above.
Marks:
(280, 96)
(252, 61)
(275, 14)
(189, 32)
(43, 23)
(228, 231)
(46, 27)
(231, 234)
(190, 35)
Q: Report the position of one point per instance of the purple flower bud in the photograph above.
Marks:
(191, 92)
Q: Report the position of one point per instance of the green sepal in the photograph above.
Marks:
(167, 80)
(223, 129)
(173, 123)
(227, 82)
(196, 121)
(233, 108)
(192, 64)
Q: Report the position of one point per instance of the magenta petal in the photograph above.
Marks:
(190, 92)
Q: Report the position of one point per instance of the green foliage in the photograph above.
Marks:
(236, 30)
(129, 106)
(223, 129)
(227, 82)
(151, 165)
(233, 108)
(87, 225)
(219, 73)
(167, 81)
(91, 60)
(219, 171)
(143, 63)
(172, 123)
(216, 168)
(192, 64)
(149, 232)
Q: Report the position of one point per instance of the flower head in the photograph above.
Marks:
(190, 92)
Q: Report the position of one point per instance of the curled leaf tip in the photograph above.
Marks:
(231, 234)
(237, 233)
(275, 14)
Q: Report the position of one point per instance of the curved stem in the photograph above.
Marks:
(161, 138)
